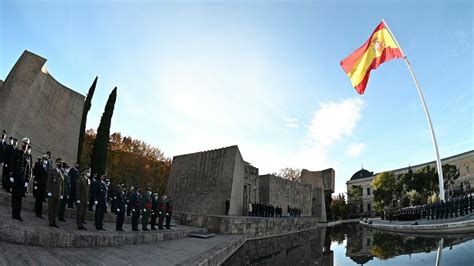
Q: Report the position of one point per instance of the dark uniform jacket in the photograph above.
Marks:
(55, 184)
(74, 175)
(169, 207)
(19, 168)
(40, 177)
(136, 201)
(121, 201)
(3, 148)
(101, 193)
(8, 154)
(146, 202)
(82, 189)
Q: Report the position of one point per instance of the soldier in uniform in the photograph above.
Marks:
(40, 176)
(55, 191)
(154, 210)
(66, 192)
(121, 205)
(73, 175)
(169, 212)
(82, 193)
(161, 211)
(129, 196)
(146, 206)
(136, 202)
(93, 188)
(100, 201)
(7, 158)
(19, 173)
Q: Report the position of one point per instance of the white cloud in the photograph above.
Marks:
(355, 149)
(291, 122)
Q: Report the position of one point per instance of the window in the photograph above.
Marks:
(368, 191)
(368, 241)
(368, 207)
(467, 169)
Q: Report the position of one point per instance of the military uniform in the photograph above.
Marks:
(55, 189)
(161, 213)
(101, 204)
(40, 176)
(146, 207)
(7, 159)
(136, 203)
(121, 205)
(73, 175)
(82, 194)
(65, 199)
(154, 211)
(19, 173)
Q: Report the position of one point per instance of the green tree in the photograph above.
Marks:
(415, 198)
(339, 207)
(384, 186)
(85, 111)
(354, 197)
(450, 174)
(101, 142)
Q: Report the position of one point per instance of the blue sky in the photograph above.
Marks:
(265, 75)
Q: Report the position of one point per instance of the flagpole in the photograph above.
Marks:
(422, 98)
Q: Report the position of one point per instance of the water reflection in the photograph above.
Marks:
(362, 246)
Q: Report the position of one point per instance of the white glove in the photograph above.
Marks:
(118, 210)
(167, 214)
(6, 165)
(96, 202)
(12, 180)
(26, 184)
(115, 197)
(60, 197)
(49, 194)
(159, 213)
(36, 187)
(133, 210)
(144, 210)
(126, 205)
(78, 201)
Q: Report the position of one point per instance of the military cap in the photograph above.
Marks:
(4, 132)
(58, 160)
(26, 140)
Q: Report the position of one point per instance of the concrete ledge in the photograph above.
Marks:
(460, 227)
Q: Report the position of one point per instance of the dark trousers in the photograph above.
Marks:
(17, 196)
(99, 215)
(154, 215)
(135, 217)
(53, 207)
(168, 219)
(120, 219)
(81, 212)
(72, 199)
(161, 218)
(6, 184)
(145, 217)
(62, 208)
(39, 205)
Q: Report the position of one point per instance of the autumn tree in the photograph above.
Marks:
(289, 173)
(339, 207)
(101, 142)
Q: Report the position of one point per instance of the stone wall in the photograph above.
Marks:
(35, 105)
(283, 193)
(248, 226)
(202, 182)
(322, 183)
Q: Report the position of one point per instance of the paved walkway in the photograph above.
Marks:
(186, 251)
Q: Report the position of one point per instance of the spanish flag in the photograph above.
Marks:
(379, 48)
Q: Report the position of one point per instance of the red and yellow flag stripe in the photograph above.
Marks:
(379, 48)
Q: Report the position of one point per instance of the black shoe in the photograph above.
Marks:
(62, 220)
(145, 229)
(18, 218)
(84, 222)
(102, 229)
(168, 228)
(135, 230)
(153, 228)
(54, 225)
(161, 228)
(39, 216)
(120, 229)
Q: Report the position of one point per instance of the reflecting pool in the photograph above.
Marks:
(352, 244)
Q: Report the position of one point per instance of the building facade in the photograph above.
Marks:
(464, 162)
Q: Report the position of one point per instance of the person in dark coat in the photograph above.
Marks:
(93, 188)
(161, 212)
(82, 194)
(55, 191)
(19, 174)
(129, 197)
(136, 202)
(40, 176)
(154, 210)
(7, 158)
(169, 212)
(146, 208)
(121, 205)
(30, 170)
(66, 192)
(100, 201)
(73, 175)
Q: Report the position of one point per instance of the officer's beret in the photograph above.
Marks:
(58, 160)
(4, 132)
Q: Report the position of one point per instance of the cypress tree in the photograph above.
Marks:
(101, 142)
(85, 111)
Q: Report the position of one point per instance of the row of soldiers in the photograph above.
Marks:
(261, 209)
(61, 186)
(449, 208)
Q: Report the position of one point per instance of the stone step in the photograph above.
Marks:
(37, 232)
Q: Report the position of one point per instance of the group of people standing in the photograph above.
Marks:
(63, 186)
(450, 208)
(261, 209)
